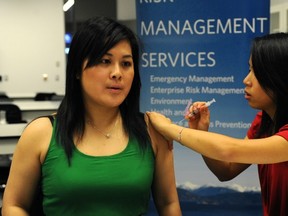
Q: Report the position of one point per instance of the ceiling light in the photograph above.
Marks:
(68, 5)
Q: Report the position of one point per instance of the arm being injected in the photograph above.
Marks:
(194, 112)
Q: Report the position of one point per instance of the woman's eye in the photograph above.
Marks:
(127, 64)
(105, 61)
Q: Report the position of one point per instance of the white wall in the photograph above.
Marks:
(277, 2)
(32, 57)
(279, 17)
(126, 9)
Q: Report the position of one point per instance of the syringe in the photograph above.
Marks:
(194, 112)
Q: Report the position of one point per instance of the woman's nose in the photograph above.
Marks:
(116, 72)
(246, 80)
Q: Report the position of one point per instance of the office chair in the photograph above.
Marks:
(13, 113)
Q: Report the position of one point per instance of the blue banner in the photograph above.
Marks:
(199, 50)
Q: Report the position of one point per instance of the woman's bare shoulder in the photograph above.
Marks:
(38, 127)
(36, 136)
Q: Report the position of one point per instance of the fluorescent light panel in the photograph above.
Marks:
(68, 5)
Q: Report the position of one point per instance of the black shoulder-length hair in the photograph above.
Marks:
(96, 36)
(269, 56)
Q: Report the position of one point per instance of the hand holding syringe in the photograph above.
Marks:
(194, 112)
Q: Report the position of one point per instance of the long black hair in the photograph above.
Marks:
(96, 36)
(269, 56)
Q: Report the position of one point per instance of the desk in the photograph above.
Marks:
(33, 109)
(11, 130)
(10, 133)
(26, 105)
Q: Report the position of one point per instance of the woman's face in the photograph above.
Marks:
(255, 95)
(108, 83)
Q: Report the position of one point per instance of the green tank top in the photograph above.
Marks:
(104, 185)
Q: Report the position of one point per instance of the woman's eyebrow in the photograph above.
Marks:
(127, 56)
(124, 56)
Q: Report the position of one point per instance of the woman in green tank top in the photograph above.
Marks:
(100, 156)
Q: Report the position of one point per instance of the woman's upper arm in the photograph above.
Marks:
(164, 184)
(25, 168)
(273, 149)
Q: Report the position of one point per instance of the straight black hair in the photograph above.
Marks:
(269, 56)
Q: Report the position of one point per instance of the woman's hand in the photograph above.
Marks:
(201, 119)
(160, 123)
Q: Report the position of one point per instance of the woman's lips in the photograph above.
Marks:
(247, 95)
